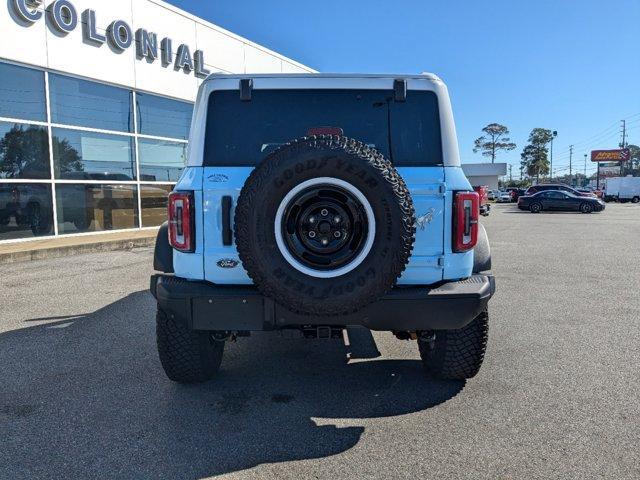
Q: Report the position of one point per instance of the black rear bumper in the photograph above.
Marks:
(205, 306)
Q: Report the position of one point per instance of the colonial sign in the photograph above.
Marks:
(620, 155)
(63, 17)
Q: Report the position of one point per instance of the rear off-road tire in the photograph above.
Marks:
(456, 354)
(187, 356)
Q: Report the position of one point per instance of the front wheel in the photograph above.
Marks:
(635, 200)
(187, 356)
(535, 208)
(456, 354)
(586, 208)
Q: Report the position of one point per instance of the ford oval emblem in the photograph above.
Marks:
(228, 263)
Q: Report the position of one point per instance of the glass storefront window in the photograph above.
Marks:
(94, 208)
(161, 161)
(24, 151)
(90, 104)
(154, 204)
(162, 117)
(22, 93)
(79, 155)
(25, 210)
(107, 173)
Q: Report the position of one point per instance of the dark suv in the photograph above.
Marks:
(555, 186)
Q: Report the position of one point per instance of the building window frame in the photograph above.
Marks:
(49, 125)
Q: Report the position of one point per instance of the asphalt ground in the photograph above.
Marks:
(82, 394)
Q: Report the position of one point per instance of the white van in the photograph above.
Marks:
(623, 189)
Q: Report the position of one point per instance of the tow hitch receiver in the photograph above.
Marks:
(322, 332)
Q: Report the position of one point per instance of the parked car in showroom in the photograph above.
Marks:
(557, 200)
(26, 206)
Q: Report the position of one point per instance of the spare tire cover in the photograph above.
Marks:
(325, 225)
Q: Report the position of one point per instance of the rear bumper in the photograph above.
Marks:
(205, 306)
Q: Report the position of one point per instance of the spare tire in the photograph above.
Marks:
(325, 225)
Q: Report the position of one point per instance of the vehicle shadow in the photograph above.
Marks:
(85, 396)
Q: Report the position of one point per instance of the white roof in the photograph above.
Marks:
(484, 169)
(417, 76)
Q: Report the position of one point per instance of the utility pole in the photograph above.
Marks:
(585, 168)
(570, 163)
(623, 165)
(510, 173)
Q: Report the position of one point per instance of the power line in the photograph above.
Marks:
(593, 144)
(609, 132)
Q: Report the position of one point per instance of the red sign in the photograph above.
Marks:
(620, 155)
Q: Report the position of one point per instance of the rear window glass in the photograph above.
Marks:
(243, 133)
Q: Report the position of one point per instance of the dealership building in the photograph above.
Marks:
(95, 109)
(485, 174)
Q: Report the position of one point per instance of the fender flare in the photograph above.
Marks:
(482, 252)
(163, 254)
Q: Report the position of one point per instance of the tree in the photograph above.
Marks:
(634, 163)
(24, 153)
(496, 139)
(535, 156)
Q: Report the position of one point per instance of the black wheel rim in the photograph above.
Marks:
(324, 227)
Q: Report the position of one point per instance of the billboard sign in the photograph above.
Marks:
(610, 170)
(619, 155)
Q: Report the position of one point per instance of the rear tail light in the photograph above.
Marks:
(465, 221)
(181, 221)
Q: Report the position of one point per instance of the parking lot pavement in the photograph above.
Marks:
(82, 394)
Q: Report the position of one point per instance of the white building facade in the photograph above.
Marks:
(95, 108)
(485, 174)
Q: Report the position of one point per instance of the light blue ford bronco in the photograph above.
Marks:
(312, 202)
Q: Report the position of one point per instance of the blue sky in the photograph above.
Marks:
(567, 65)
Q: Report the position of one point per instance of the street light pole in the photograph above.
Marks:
(554, 134)
(585, 167)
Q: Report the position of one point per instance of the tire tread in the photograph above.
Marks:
(457, 354)
(186, 356)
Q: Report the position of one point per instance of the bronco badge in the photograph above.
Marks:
(423, 220)
(218, 178)
(228, 263)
